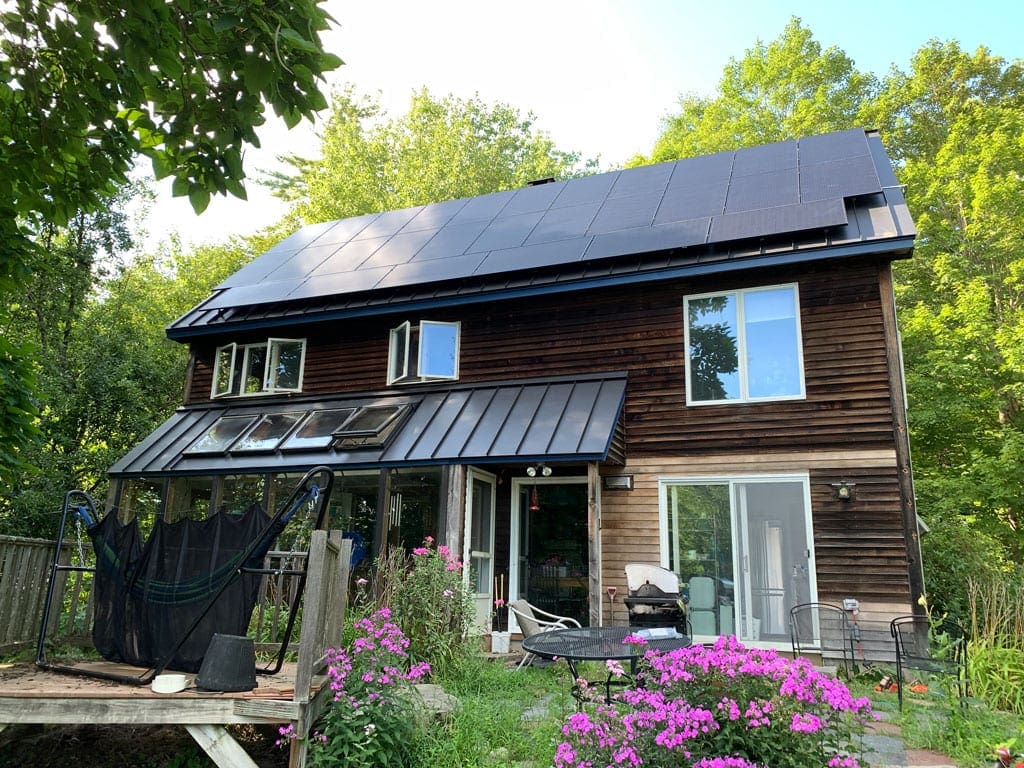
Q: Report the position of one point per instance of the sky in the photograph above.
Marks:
(598, 75)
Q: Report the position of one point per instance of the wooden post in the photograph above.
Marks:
(220, 746)
(380, 526)
(455, 507)
(594, 540)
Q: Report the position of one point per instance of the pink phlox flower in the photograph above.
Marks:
(615, 668)
(429, 540)
(418, 671)
(806, 722)
(730, 761)
(634, 640)
(499, 603)
(843, 761)
(447, 593)
(420, 552)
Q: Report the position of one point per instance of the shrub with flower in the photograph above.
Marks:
(429, 602)
(724, 706)
(370, 721)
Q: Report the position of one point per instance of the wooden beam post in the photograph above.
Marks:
(221, 746)
(594, 540)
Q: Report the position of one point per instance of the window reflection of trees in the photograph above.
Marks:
(713, 347)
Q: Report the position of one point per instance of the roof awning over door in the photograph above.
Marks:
(558, 419)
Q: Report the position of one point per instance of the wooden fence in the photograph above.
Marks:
(25, 573)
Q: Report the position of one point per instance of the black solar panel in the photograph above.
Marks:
(764, 159)
(586, 189)
(833, 146)
(435, 215)
(763, 190)
(432, 270)
(645, 179)
(533, 256)
(626, 213)
(678, 234)
(400, 248)
(536, 198)
(563, 223)
(349, 256)
(843, 178)
(686, 203)
(750, 193)
(699, 171)
(773, 221)
(453, 240)
(388, 223)
(506, 232)
(345, 229)
(485, 207)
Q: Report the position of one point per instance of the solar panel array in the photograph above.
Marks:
(775, 189)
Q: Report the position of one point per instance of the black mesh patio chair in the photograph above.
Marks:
(939, 650)
(822, 628)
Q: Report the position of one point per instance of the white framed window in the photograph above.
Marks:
(744, 548)
(428, 351)
(275, 365)
(744, 346)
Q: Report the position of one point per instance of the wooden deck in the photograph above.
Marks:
(296, 695)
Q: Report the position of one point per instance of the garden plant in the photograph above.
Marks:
(723, 706)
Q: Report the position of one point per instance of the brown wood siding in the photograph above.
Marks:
(640, 330)
(859, 545)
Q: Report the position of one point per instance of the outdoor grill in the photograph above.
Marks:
(654, 599)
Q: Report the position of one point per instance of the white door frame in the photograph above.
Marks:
(483, 601)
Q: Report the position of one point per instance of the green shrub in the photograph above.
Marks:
(953, 553)
(429, 602)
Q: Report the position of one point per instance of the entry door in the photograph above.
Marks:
(479, 537)
(774, 552)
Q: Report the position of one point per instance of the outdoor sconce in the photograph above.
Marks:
(618, 482)
(843, 490)
(539, 469)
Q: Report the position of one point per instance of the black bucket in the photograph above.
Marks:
(229, 664)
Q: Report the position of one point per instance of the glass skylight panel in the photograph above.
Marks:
(318, 430)
(222, 434)
(267, 432)
(370, 427)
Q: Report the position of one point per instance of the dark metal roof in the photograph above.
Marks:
(730, 210)
(559, 419)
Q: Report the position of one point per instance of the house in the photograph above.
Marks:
(694, 364)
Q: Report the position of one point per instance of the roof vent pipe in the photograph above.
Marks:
(538, 182)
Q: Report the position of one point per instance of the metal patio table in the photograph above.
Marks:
(597, 644)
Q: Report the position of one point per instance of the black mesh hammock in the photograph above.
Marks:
(158, 603)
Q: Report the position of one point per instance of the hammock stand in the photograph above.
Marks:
(81, 506)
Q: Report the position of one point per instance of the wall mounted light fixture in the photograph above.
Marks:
(844, 491)
(538, 469)
(618, 482)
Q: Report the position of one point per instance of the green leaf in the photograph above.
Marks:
(297, 40)
(199, 197)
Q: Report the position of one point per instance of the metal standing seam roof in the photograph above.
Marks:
(558, 419)
(836, 191)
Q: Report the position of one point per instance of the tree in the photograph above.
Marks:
(780, 90)
(956, 123)
(439, 150)
(87, 85)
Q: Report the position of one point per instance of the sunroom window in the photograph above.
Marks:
(268, 367)
(743, 346)
(428, 351)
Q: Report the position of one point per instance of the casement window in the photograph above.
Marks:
(265, 368)
(428, 351)
(744, 346)
(743, 548)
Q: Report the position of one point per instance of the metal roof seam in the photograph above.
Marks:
(451, 424)
(476, 426)
(593, 405)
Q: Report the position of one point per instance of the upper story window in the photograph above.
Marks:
(425, 352)
(744, 346)
(251, 369)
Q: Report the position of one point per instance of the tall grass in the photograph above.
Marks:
(995, 653)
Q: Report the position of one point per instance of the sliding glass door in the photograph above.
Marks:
(743, 548)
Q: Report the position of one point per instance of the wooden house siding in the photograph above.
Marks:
(858, 545)
(640, 330)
